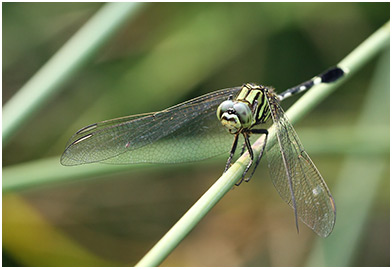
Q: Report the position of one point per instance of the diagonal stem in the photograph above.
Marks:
(353, 62)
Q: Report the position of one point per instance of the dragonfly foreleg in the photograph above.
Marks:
(250, 150)
(259, 131)
(243, 148)
(232, 151)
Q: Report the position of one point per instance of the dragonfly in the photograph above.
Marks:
(191, 131)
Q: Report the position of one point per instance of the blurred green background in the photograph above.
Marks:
(167, 53)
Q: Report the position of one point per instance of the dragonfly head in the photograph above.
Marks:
(234, 115)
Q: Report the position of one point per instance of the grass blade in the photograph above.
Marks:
(65, 63)
(361, 55)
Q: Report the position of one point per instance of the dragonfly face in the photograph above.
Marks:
(235, 115)
(249, 109)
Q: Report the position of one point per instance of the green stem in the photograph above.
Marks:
(44, 172)
(351, 63)
(65, 63)
(362, 175)
(361, 55)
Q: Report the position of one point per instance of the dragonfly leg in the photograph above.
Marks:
(232, 151)
(243, 148)
(250, 150)
(258, 131)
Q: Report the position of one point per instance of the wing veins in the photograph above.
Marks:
(112, 138)
(303, 177)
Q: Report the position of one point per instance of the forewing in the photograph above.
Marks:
(186, 132)
(289, 164)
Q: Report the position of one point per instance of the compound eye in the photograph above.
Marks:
(224, 107)
(243, 112)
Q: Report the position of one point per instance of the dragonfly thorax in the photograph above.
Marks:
(235, 115)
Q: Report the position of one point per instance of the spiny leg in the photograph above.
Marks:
(258, 131)
(243, 148)
(232, 151)
(250, 150)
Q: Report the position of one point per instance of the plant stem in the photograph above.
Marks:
(361, 55)
(362, 175)
(65, 63)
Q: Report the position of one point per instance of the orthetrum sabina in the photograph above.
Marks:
(191, 131)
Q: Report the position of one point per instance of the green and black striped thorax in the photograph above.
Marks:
(250, 107)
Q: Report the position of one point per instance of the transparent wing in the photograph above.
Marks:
(186, 132)
(289, 164)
